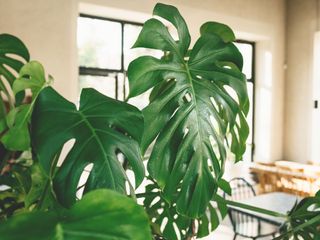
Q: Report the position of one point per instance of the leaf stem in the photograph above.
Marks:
(249, 207)
(146, 194)
(301, 226)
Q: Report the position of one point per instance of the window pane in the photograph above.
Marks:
(131, 33)
(99, 43)
(105, 85)
(246, 51)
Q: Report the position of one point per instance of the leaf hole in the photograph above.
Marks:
(131, 181)
(187, 97)
(83, 179)
(185, 132)
(177, 231)
(10, 69)
(155, 200)
(160, 211)
(163, 224)
(215, 124)
(67, 146)
(7, 88)
(231, 92)
(16, 57)
(214, 146)
(214, 103)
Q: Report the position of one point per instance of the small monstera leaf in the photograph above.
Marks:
(101, 127)
(303, 220)
(100, 215)
(13, 55)
(197, 107)
(32, 77)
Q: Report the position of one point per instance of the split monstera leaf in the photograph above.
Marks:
(197, 109)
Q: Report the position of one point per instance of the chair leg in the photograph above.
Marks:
(235, 236)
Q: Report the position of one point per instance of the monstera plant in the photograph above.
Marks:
(196, 115)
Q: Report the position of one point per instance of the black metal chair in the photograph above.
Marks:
(245, 225)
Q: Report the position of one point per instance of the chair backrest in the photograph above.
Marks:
(243, 224)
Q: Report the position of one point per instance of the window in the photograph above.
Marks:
(247, 50)
(104, 51)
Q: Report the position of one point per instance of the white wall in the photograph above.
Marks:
(48, 28)
(301, 22)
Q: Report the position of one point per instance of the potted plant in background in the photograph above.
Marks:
(190, 122)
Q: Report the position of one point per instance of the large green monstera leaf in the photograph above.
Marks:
(102, 128)
(197, 107)
(100, 215)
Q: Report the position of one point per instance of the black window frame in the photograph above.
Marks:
(252, 80)
(105, 72)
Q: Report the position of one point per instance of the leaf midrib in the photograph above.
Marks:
(96, 137)
(195, 107)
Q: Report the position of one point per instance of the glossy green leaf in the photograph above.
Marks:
(31, 76)
(199, 100)
(102, 128)
(220, 29)
(102, 214)
(225, 186)
(17, 137)
(18, 52)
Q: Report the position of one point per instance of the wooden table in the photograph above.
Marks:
(284, 176)
(276, 201)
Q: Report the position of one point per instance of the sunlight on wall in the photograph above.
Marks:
(315, 133)
(264, 111)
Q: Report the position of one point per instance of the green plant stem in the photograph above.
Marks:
(251, 208)
(142, 195)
